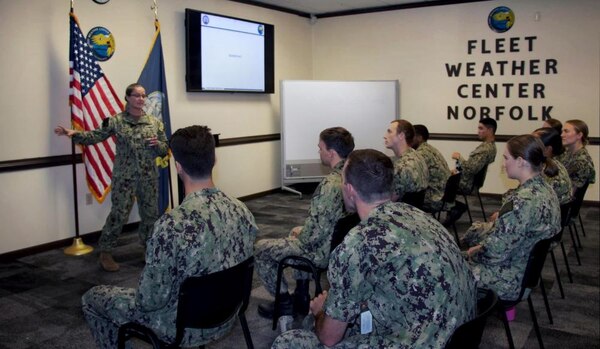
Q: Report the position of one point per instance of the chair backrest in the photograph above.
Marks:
(211, 300)
(416, 199)
(451, 189)
(479, 177)
(535, 264)
(342, 227)
(468, 335)
(578, 200)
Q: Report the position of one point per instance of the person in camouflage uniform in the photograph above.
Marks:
(313, 239)
(560, 182)
(398, 267)
(207, 233)
(410, 169)
(577, 160)
(140, 139)
(483, 155)
(529, 214)
(438, 169)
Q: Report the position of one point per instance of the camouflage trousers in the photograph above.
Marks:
(307, 339)
(105, 308)
(124, 192)
(268, 253)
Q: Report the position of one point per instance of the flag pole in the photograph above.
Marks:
(77, 248)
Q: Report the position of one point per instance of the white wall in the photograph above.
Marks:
(414, 45)
(410, 45)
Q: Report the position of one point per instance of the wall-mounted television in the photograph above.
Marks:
(228, 54)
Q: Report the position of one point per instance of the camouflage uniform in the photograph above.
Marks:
(410, 173)
(134, 171)
(404, 267)
(561, 183)
(439, 172)
(208, 232)
(326, 208)
(483, 155)
(580, 167)
(531, 213)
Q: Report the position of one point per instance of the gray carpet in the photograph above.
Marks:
(40, 294)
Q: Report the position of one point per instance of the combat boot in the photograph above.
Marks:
(286, 307)
(107, 262)
(301, 297)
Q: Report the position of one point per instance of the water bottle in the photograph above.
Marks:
(286, 323)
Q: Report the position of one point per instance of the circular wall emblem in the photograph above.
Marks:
(501, 19)
(102, 43)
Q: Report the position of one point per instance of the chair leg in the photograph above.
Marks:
(468, 208)
(560, 287)
(577, 235)
(509, 338)
(535, 322)
(562, 247)
(481, 204)
(277, 297)
(246, 330)
(456, 234)
(581, 223)
(546, 304)
(574, 245)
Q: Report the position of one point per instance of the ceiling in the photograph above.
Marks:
(333, 8)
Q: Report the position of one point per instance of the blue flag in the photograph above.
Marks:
(157, 104)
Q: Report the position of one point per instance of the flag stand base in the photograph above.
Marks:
(78, 248)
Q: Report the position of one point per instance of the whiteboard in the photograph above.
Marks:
(364, 108)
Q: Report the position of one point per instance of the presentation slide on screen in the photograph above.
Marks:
(232, 54)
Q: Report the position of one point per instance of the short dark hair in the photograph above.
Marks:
(489, 123)
(338, 139)
(371, 174)
(194, 148)
(403, 126)
(421, 130)
(131, 87)
(555, 124)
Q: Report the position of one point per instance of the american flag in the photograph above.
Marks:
(92, 99)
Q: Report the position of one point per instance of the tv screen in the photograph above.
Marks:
(227, 54)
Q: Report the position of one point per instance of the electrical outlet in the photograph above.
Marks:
(88, 199)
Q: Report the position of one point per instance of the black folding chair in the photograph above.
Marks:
(531, 279)
(342, 227)
(416, 199)
(450, 192)
(478, 181)
(206, 301)
(468, 335)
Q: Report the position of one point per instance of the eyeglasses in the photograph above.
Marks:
(135, 95)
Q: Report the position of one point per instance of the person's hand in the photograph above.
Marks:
(453, 171)
(316, 304)
(473, 250)
(494, 216)
(152, 141)
(456, 155)
(296, 231)
(61, 131)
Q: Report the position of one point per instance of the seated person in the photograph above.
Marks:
(437, 167)
(410, 169)
(559, 181)
(530, 213)
(313, 239)
(483, 155)
(559, 154)
(577, 160)
(398, 280)
(207, 233)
